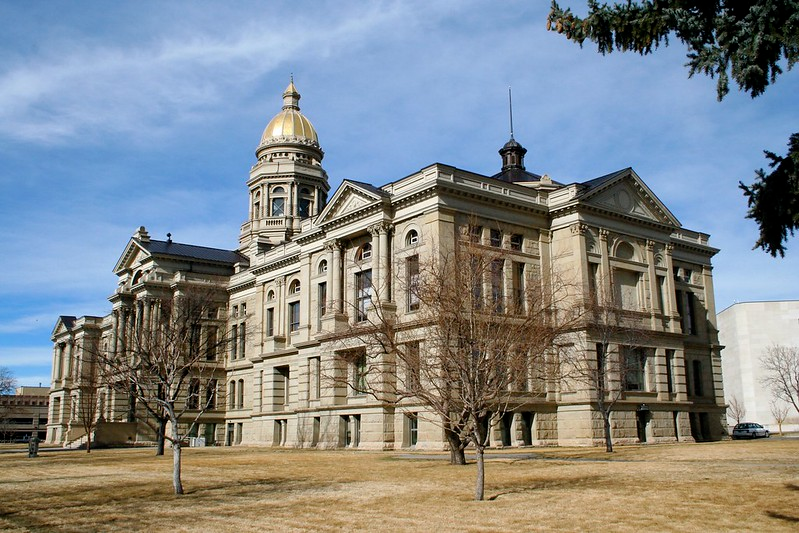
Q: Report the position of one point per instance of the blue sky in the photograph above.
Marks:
(120, 114)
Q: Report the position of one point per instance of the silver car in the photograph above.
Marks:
(749, 430)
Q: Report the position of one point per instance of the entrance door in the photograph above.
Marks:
(642, 422)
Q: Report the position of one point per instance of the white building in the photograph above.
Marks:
(747, 330)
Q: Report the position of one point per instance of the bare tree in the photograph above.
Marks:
(736, 409)
(87, 399)
(612, 359)
(7, 380)
(779, 411)
(481, 337)
(781, 367)
(166, 362)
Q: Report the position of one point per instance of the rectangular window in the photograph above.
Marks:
(277, 206)
(634, 369)
(321, 295)
(234, 341)
(363, 294)
(281, 384)
(359, 374)
(626, 285)
(244, 310)
(516, 241)
(661, 290)
(193, 397)
(210, 394)
(670, 371)
(270, 322)
(497, 284)
(210, 346)
(413, 366)
(685, 307)
(195, 334)
(475, 234)
(518, 286)
(412, 282)
(314, 378)
(496, 238)
(294, 316)
(242, 338)
(412, 421)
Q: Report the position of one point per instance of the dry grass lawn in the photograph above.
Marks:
(688, 487)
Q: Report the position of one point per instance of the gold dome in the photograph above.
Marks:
(290, 126)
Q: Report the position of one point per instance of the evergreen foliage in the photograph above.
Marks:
(749, 41)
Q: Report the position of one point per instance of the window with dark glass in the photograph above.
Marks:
(496, 238)
(363, 294)
(294, 316)
(412, 282)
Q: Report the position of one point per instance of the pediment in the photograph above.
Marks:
(629, 195)
(349, 199)
(63, 325)
(133, 255)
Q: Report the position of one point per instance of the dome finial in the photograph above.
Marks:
(291, 98)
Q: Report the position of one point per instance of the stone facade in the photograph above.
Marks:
(308, 268)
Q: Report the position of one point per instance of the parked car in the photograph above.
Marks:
(749, 430)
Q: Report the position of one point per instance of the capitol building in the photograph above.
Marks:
(312, 264)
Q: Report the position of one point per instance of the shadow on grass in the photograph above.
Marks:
(543, 485)
(791, 486)
(780, 516)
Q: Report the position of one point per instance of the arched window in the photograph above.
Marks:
(270, 296)
(322, 266)
(411, 238)
(364, 252)
(625, 250)
(278, 202)
(295, 287)
(305, 203)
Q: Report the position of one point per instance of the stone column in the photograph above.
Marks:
(384, 259)
(280, 308)
(377, 278)
(604, 289)
(56, 361)
(329, 247)
(337, 290)
(671, 291)
(578, 231)
(654, 308)
(67, 369)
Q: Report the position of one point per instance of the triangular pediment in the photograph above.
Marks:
(627, 194)
(63, 325)
(133, 255)
(349, 199)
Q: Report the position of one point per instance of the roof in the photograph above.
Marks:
(67, 320)
(369, 187)
(190, 251)
(516, 175)
(598, 182)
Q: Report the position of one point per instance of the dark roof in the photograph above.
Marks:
(371, 188)
(597, 182)
(516, 175)
(190, 251)
(67, 320)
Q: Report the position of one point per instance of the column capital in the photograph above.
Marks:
(579, 228)
(603, 234)
(650, 245)
(333, 245)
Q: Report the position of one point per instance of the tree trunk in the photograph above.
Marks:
(608, 437)
(178, 484)
(456, 453)
(88, 442)
(479, 488)
(160, 433)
